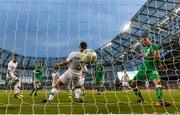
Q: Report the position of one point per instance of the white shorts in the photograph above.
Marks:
(82, 80)
(11, 76)
(70, 76)
(125, 84)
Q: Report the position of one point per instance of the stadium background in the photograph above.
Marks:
(157, 18)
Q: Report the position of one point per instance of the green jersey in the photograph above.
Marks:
(149, 67)
(150, 64)
(99, 73)
(39, 71)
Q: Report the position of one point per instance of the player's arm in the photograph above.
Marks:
(156, 55)
(61, 64)
(64, 63)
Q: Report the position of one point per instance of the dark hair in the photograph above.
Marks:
(83, 45)
(15, 55)
(145, 37)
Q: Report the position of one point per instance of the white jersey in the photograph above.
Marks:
(74, 62)
(12, 66)
(11, 71)
(55, 77)
(125, 78)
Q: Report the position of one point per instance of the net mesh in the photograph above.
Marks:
(49, 30)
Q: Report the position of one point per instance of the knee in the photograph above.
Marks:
(77, 87)
(157, 82)
(133, 84)
(58, 84)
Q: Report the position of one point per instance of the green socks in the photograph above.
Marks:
(159, 93)
(34, 90)
(138, 94)
(98, 89)
(6, 84)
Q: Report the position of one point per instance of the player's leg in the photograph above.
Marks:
(38, 86)
(98, 87)
(70, 88)
(140, 76)
(82, 85)
(77, 87)
(101, 86)
(7, 81)
(34, 89)
(62, 80)
(17, 84)
(154, 76)
(125, 86)
(17, 87)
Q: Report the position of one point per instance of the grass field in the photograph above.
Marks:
(110, 102)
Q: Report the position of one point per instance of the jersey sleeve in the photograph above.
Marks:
(69, 57)
(155, 47)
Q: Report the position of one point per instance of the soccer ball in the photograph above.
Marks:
(89, 55)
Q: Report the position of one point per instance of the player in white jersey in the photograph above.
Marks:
(12, 74)
(125, 81)
(73, 73)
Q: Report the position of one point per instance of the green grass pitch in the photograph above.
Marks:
(111, 102)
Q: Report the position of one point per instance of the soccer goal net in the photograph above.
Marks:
(137, 45)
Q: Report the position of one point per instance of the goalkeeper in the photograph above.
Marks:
(38, 71)
(149, 69)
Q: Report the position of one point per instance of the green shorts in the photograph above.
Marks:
(37, 80)
(150, 74)
(98, 81)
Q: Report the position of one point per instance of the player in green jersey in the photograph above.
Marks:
(38, 71)
(98, 77)
(149, 69)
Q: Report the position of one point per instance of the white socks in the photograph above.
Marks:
(17, 87)
(77, 93)
(52, 94)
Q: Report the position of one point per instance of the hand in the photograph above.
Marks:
(160, 66)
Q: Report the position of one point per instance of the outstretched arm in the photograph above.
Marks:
(61, 64)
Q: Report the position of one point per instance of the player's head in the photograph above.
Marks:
(40, 63)
(15, 59)
(145, 40)
(98, 63)
(83, 46)
(124, 71)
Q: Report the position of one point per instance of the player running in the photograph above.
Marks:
(73, 73)
(98, 77)
(12, 74)
(149, 69)
(38, 71)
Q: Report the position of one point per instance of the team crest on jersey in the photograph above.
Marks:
(147, 52)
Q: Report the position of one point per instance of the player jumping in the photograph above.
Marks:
(149, 69)
(73, 73)
(12, 74)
